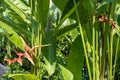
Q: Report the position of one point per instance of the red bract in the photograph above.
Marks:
(15, 59)
(19, 60)
(19, 53)
(25, 45)
(25, 54)
(112, 23)
(9, 61)
(27, 48)
(102, 18)
(33, 49)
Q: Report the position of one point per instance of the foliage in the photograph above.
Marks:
(59, 42)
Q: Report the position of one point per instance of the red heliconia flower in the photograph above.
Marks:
(19, 60)
(26, 55)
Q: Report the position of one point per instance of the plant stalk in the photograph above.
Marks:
(83, 41)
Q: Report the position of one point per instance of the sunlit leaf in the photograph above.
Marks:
(17, 9)
(23, 77)
(67, 75)
(12, 35)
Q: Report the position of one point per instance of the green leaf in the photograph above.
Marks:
(17, 9)
(66, 29)
(67, 75)
(50, 66)
(68, 14)
(12, 35)
(60, 4)
(104, 2)
(44, 7)
(115, 38)
(76, 58)
(86, 10)
(23, 76)
(74, 33)
(40, 10)
(50, 52)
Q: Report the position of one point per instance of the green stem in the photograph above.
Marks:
(110, 54)
(115, 58)
(111, 9)
(93, 42)
(104, 37)
(96, 55)
(83, 41)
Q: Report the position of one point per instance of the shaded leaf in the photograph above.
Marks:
(104, 2)
(67, 14)
(76, 58)
(60, 4)
(66, 29)
(49, 52)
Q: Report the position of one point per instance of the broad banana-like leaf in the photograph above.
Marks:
(60, 4)
(11, 34)
(40, 10)
(17, 6)
(50, 52)
(23, 77)
(86, 9)
(76, 58)
(67, 14)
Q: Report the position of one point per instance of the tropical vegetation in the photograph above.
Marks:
(60, 39)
